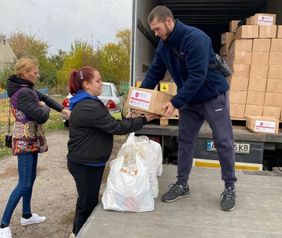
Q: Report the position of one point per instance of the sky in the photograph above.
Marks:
(61, 22)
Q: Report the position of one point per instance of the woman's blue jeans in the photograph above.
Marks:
(27, 164)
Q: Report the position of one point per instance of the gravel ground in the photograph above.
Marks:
(54, 193)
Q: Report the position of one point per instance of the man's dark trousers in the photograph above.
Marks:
(191, 118)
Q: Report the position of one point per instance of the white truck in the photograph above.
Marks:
(253, 151)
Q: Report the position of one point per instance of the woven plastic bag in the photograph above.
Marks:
(132, 181)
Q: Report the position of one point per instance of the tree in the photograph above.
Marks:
(5, 72)
(58, 61)
(114, 59)
(81, 54)
(25, 45)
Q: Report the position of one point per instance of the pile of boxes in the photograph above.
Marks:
(254, 52)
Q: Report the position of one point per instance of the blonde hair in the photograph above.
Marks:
(25, 65)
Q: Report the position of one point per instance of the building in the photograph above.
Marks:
(7, 55)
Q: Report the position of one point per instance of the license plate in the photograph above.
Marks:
(239, 148)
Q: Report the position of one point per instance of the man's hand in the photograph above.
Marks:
(169, 109)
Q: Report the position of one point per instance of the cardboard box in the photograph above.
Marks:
(261, 45)
(255, 98)
(241, 70)
(237, 97)
(259, 71)
(168, 87)
(238, 83)
(260, 58)
(237, 110)
(257, 84)
(262, 124)
(147, 100)
(273, 99)
(227, 38)
(267, 31)
(253, 110)
(271, 111)
(275, 58)
(279, 31)
(275, 71)
(238, 57)
(276, 45)
(274, 86)
(247, 32)
(233, 25)
(223, 51)
(138, 83)
(241, 45)
(262, 19)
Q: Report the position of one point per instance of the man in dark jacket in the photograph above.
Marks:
(186, 52)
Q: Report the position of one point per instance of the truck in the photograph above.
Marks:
(253, 151)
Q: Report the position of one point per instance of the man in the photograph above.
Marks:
(186, 52)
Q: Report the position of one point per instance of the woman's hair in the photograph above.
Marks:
(77, 77)
(25, 65)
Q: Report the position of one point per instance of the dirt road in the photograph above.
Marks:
(54, 193)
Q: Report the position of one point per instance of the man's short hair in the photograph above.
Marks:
(161, 13)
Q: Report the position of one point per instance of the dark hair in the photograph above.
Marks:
(77, 77)
(161, 13)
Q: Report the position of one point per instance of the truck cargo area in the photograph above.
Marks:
(199, 215)
(253, 151)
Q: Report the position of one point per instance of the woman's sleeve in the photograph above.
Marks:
(27, 103)
(98, 117)
(49, 101)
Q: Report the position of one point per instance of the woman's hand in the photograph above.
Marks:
(132, 114)
(66, 113)
(41, 103)
(151, 116)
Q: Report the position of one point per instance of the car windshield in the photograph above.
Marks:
(107, 91)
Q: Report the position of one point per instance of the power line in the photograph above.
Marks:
(65, 20)
(125, 6)
(118, 12)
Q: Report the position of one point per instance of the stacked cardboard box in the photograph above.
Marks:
(255, 55)
(240, 61)
(273, 97)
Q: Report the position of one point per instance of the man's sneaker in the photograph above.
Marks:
(5, 232)
(34, 219)
(175, 192)
(228, 199)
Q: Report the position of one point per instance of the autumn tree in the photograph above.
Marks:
(25, 45)
(81, 54)
(114, 59)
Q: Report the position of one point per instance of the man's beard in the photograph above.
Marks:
(168, 31)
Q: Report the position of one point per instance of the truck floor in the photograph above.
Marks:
(257, 213)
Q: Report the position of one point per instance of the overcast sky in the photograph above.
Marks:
(60, 22)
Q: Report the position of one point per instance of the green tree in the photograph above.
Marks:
(5, 72)
(114, 59)
(58, 61)
(81, 54)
